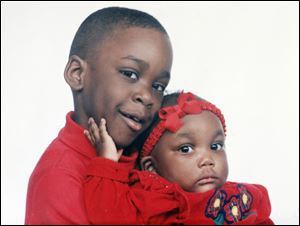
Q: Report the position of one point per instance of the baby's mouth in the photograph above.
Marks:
(207, 180)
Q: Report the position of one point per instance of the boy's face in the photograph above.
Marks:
(194, 156)
(125, 81)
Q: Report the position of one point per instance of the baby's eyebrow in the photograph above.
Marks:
(219, 133)
(189, 135)
(183, 135)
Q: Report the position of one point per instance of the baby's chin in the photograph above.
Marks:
(204, 187)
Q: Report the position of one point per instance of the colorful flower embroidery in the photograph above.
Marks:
(215, 204)
(246, 198)
(231, 210)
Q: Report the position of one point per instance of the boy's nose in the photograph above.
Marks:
(144, 97)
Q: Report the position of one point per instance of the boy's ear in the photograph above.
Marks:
(74, 73)
(148, 164)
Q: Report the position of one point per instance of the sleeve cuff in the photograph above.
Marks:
(106, 168)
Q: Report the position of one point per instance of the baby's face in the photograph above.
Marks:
(194, 156)
(126, 80)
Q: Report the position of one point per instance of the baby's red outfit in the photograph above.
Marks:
(55, 189)
(116, 195)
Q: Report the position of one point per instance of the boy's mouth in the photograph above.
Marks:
(134, 121)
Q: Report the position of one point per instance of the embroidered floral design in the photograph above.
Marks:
(215, 204)
(231, 210)
(246, 198)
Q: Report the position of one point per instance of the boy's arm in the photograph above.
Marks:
(115, 195)
(107, 194)
(106, 187)
(56, 198)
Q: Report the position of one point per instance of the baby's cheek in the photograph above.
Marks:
(225, 171)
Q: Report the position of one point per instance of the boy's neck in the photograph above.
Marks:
(128, 151)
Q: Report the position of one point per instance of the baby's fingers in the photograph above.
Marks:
(103, 132)
(94, 131)
(88, 136)
(119, 153)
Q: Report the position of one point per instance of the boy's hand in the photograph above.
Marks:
(103, 142)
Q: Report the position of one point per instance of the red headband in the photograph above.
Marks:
(170, 118)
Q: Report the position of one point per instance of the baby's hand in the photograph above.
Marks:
(103, 142)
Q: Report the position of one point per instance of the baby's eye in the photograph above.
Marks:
(186, 149)
(130, 74)
(159, 87)
(216, 146)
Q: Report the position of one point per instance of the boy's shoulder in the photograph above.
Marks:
(68, 155)
(69, 151)
(59, 161)
(63, 157)
(55, 186)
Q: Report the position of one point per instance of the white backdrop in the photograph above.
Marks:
(242, 56)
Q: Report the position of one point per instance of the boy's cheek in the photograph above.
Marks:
(121, 134)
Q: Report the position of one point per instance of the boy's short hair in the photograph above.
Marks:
(103, 22)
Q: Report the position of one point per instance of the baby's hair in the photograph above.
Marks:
(97, 26)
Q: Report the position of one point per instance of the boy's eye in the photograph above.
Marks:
(159, 87)
(216, 146)
(130, 74)
(186, 149)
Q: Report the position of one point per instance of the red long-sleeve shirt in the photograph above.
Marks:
(116, 195)
(55, 189)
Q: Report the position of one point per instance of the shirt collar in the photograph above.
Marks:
(72, 135)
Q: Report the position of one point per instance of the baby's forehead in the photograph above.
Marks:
(199, 124)
(172, 98)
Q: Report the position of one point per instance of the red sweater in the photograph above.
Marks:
(116, 195)
(55, 189)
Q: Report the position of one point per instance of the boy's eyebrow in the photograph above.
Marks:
(165, 74)
(140, 62)
(145, 65)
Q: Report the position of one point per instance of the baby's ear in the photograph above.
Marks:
(74, 73)
(148, 164)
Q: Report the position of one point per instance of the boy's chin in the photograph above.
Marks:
(123, 143)
(122, 139)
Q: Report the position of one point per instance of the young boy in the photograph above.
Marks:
(118, 68)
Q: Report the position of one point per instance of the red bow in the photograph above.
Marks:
(187, 104)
